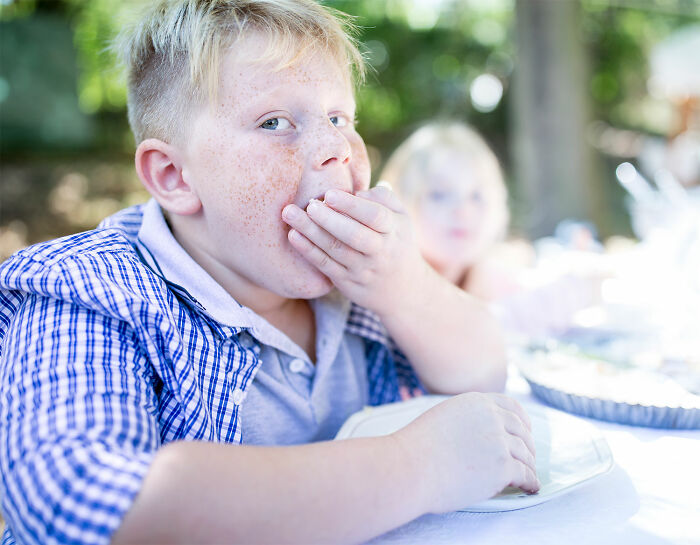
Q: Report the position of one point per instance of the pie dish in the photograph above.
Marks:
(595, 387)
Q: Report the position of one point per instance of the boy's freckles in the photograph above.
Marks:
(360, 167)
(245, 174)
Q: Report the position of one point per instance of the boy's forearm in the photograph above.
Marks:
(453, 342)
(344, 491)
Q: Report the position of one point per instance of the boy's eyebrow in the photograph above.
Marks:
(278, 99)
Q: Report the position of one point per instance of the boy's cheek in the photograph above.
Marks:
(359, 165)
(278, 179)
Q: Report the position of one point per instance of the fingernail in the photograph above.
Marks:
(331, 196)
(313, 203)
(290, 212)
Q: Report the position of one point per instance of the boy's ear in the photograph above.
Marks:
(159, 167)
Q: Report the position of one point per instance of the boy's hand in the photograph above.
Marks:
(469, 448)
(363, 243)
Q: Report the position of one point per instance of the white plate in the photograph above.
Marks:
(570, 451)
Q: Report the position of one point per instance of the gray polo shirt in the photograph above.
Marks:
(292, 400)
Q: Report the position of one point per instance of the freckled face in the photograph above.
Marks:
(275, 137)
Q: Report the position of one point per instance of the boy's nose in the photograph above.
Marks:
(331, 148)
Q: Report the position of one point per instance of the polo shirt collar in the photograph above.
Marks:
(162, 252)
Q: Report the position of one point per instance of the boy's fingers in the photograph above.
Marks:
(314, 255)
(524, 478)
(346, 229)
(318, 236)
(374, 215)
(510, 404)
(515, 427)
(383, 194)
(521, 451)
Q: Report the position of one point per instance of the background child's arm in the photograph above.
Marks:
(334, 492)
(365, 245)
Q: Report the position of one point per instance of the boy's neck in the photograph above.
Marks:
(296, 320)
(293, 317)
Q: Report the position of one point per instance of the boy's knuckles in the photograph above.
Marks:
(382, 219)
(323, 261)
(358, 240)
(364, 276)
(336, 245)
(372, 246)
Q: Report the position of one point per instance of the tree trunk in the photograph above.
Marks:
(555, 172)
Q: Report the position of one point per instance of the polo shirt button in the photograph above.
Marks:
(297, 365)
(246, 340)
(238, 396)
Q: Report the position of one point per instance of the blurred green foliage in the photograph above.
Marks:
(62, 98)
(619, 40)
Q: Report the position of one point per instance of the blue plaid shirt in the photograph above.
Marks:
(102, 360)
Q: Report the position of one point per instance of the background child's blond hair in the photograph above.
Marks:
(172, 52)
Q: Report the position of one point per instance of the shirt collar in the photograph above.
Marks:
(164, 254)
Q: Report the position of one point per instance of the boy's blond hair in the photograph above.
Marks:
(173, 51)
(408, 168)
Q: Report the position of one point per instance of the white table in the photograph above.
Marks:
(651, 497)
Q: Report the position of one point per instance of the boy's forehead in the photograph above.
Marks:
(249, 84)
(254, 55)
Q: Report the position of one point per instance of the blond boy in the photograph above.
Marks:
(152, 368)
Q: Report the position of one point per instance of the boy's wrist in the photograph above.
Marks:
(417, 478)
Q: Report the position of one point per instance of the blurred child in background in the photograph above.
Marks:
(453, 186)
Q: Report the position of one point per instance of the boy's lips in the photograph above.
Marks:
(320, 198)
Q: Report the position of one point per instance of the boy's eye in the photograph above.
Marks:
(275, 124)
(339, 120)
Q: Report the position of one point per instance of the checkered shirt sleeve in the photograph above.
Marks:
(391, 377)
(77, 418)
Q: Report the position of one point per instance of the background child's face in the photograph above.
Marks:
(275, 137)
(457, 213)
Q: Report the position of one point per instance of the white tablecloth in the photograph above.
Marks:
(651, 497)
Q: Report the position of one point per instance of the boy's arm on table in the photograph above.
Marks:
(464, 450)
(82, 460)
(330, 492)
(364, 244)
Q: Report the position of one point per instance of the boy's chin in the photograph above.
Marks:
(313, 285)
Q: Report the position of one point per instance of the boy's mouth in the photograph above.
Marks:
(320, 198)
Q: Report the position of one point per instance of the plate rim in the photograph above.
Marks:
(496, 504)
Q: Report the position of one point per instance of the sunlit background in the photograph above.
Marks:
(563, 90)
